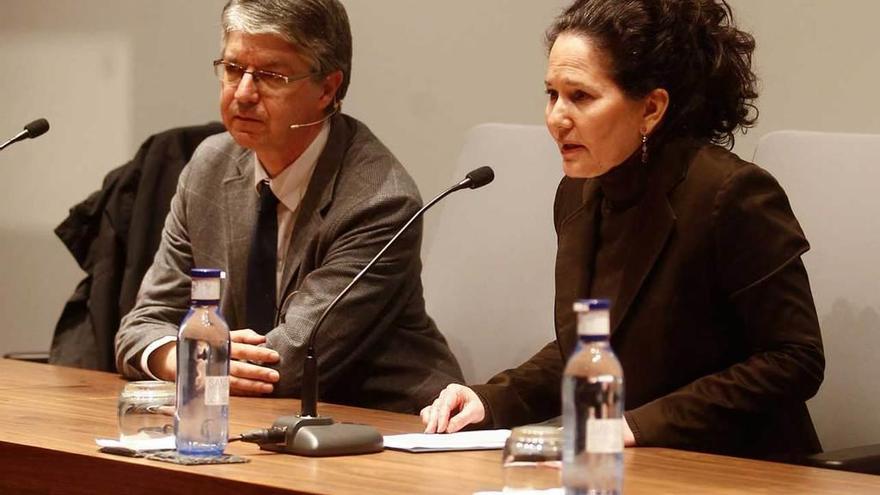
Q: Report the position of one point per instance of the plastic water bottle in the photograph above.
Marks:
(592, 407)
(201, 420)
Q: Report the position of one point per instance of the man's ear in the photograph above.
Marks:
(656, 103)
(329, 89)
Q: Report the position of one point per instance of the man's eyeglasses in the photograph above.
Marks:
(230, 74)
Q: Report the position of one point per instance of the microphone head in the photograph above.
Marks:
(37, 128)
(480, 177)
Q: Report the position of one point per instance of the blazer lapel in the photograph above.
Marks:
(241, 203)
(317, 199)
(649, 233)
(576, 250)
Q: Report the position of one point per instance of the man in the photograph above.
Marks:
(292, 202)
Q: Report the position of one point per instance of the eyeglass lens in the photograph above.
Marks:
(232, 74)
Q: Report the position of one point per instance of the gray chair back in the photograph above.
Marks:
(488, 264)
(832, 182)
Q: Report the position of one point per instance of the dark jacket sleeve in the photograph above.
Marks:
(525, 394)
(764, 288)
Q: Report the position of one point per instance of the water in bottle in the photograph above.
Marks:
(202, 415)
(592, 407)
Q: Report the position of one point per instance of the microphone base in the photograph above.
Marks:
(320, 436)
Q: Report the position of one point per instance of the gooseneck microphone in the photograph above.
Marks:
(474, 179)
(32, 130)
(308, 434)
(336, 107)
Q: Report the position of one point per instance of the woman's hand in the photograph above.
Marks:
(454, 399)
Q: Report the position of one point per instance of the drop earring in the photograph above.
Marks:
(644, 148)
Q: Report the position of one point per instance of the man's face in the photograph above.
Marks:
(259, 115)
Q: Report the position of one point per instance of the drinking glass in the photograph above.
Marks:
(532, 458)
(146, 411)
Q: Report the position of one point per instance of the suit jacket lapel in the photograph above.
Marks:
(241, 204)
(317, 199)
(650, 231)
(575, 254)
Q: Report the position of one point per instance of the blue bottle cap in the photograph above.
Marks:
(582, 305)
(206, 273)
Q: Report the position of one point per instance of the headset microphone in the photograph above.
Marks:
(336, 107)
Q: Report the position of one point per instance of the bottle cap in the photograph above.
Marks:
(594, 317)
(584, 305)
(206, 273)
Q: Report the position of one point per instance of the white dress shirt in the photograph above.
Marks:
(290, 187)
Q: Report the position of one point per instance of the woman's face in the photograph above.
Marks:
(594, 123)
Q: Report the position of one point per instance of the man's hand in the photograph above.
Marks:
(458, 399)
(247, 376)
(163, 362)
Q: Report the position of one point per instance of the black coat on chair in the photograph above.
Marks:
(113, 235)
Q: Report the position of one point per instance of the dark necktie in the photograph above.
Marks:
(262, 260)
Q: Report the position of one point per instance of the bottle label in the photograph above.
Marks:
(594, 323)
(205, 289)
(604, 436)
(216, 390)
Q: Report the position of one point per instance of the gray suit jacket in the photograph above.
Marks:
(378, 348)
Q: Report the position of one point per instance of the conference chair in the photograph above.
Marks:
(489, 258)
(831, 180)
(113, 235)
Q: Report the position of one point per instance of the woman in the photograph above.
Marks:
(712, 316)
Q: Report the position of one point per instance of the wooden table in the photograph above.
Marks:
(50, 416)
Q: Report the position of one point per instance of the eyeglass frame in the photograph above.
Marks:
(257, 74)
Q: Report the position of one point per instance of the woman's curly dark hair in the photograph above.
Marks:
(690, 48)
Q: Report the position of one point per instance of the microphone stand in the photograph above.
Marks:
(308, 434)
(18, 137)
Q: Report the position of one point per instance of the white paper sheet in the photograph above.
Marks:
(139, 445)
(467, 440)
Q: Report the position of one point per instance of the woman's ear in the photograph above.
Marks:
(656, 103)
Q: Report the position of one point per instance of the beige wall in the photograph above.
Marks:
(106, 74)
(818, 63)
(424, 72)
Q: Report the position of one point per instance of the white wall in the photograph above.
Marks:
(424, 72)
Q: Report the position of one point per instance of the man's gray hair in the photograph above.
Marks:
(318, 29)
